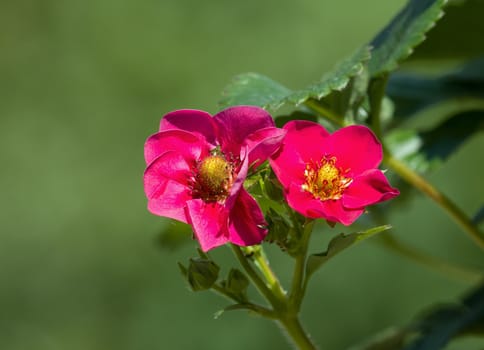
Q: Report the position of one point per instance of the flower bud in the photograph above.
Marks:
(202, 274)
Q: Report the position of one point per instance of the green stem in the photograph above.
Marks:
(296, 333)
(258, 282)
(420, 183)
(282, 312)
(447, 269)
(298, 287)
(261, 262)
(325, 112)
(262, 311)
(376, 93)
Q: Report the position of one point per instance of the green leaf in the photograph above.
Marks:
(479, 216)
(461, 30)
(389, 339)
(253, 89)
(338, 244)
(426, 150)
(259, 90)
(280, 120)
(407, 29)
(435, 328)
(335, 80)
(443, 323)
(461, 89)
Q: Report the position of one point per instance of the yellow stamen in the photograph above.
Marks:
(324, 180)
(214, 179)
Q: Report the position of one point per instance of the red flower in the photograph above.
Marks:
(331, 176)
(196, 167)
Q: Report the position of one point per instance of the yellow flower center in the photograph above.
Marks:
(324, 180)
(214, 179)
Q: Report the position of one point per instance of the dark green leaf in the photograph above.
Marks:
(479, 216)
(440, 325)
(435, 328)
(256, 89)
(397, 40)
(389, 339)
(462, 89)
(458, 35)
(338, 244)
(425, 150)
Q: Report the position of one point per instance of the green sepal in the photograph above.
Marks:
(242, 306)
(237, 284)
(202, 274)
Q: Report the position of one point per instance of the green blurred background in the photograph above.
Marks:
(82, 84)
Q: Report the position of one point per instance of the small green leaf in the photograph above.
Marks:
(338, 244)
(256, 89)
(407, 29)
(202, 274)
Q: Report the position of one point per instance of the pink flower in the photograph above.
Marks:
(331, 176)
(196, 167)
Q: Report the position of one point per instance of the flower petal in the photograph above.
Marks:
(191, 120)
(209, 222)
(356, 148)
(303, 142)
(304, 202)
(262, 144)
(165, 185)
(169, 200)
(235, 124)
(187, 144)
(308, 138)
(239, 180)
(331, 210)
(246, 221)
(335, 212)
(170, 165)
(369, 188)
